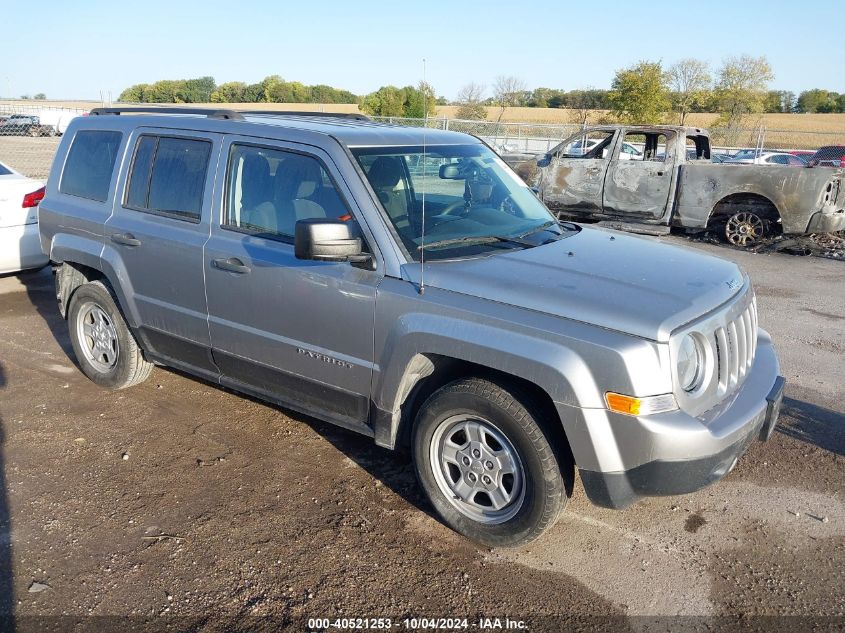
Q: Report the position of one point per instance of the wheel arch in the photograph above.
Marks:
(732, 203)
(428, 372)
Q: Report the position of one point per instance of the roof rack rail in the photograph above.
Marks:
(208, 112)
(334, 115)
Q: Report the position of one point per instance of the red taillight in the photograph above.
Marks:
(32, 199)
(842, 161)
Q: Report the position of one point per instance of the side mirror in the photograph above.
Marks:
(544, 161)
(328, 241)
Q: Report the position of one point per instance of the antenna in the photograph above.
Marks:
(422, 233)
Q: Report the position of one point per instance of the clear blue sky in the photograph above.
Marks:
(75, 50)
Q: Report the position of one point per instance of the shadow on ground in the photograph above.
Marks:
(813, 424)
(7, 595)
(40, 290)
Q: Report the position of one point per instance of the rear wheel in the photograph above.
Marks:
(487, 466)
(746, 228)
(104, 347)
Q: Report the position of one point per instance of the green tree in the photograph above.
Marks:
(230, 92)
(639, 94)
(133, 94)
(421, 101)
(386, 101)
(779, 101)
(198, 90)
(400, 102)
(818, 100)
(41, 96)
(741, 89)
(689, 80)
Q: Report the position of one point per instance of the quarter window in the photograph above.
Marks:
(90, 163)
(168, 176)
(269, 190)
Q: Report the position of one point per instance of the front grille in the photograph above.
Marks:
(736, 343)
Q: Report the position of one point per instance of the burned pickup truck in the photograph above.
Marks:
(671, 182)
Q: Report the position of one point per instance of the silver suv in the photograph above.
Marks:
(405, 284)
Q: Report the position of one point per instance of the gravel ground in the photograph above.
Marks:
(188, 507)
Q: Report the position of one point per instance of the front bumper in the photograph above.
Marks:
(684, 453)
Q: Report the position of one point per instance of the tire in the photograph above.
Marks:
(746, 228)
(530, 484)
(104, 347)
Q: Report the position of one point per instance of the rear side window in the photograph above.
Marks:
(90, 163)
(168, 176)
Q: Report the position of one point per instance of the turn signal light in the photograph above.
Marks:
(629, 405)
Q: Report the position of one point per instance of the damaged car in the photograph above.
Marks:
(675, 183)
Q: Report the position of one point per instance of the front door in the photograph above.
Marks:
(573, 179)
(299, 332)
(639, 177)
(156, 235)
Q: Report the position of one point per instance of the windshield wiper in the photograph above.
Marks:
(542, 227)
(481, 239)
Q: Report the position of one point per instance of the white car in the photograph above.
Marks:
(20, 244)
(579, 148)
(753, 157)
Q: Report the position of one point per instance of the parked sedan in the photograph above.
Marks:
(755, 157)
(20, 246)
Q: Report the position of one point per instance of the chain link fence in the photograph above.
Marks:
(29, 134)
(537, 138)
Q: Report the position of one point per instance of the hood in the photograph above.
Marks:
(610, 279)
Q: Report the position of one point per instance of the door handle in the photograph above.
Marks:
(127, 239)
(660, 173)
(232, 265)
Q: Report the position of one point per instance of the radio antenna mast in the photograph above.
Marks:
(422, 231)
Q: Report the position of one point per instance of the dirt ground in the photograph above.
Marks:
(190, 508)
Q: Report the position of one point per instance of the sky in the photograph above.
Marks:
(82, 50)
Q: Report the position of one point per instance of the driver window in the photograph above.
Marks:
(595, 144)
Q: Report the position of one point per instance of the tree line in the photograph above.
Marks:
(645, 92)
(272, 89)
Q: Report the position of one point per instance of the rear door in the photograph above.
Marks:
(299, 332)
(157, 233)
(638, 184)
(574, 177)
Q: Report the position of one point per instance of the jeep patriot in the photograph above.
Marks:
(405, 284)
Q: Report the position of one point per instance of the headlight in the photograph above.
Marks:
(690, 363)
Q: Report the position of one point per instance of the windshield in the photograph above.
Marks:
(474, 204)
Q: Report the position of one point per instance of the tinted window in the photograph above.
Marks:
(89, 165)
(139, 183)
(4, 171)
(269, 190)
(168, 176)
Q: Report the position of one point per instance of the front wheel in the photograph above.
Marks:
(487, 466)
(104, 347)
